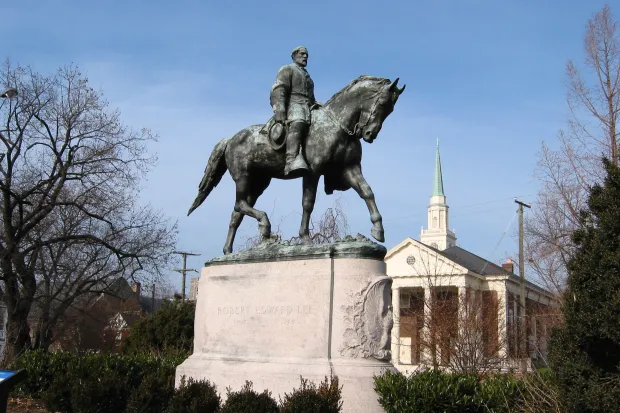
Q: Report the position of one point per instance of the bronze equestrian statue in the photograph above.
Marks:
(332, 149)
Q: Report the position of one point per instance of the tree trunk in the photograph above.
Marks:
(18, 303)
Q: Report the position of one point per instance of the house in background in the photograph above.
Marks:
(106, 320)
(452, 307)
(119, 326)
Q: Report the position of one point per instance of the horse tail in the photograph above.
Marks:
(213, 173)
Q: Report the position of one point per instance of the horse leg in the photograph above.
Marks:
(310, 184)
(236, 217)
(246, 198)
(355, 178)
(235, 221)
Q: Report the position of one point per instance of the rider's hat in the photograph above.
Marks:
(277, 133)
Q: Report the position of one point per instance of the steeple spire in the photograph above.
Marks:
(438, 181)
(438, 234)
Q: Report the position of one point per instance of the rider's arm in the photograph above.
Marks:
(280, 92)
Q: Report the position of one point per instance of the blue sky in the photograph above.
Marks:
(485, 76)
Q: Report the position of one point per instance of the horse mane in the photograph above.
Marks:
(379, 80)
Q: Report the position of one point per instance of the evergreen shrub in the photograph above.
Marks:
(247, 400)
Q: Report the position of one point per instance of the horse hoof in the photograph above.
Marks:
(378, 234)
(265, 231)
(227, 251)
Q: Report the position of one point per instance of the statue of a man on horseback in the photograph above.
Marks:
(292, 100)
(324, 143)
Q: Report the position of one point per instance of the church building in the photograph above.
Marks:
(455, 309)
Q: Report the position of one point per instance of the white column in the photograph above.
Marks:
(516, 342)
(534, 335)
(425, 352)
(396, 327)
(502, 320)
(543, 338)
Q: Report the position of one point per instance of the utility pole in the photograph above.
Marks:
(522, 295)
(185, 270)
(153, 298)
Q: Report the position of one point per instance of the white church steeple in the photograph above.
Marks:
(438, 235)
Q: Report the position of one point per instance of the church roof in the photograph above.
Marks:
(438, 180)
(472, 262)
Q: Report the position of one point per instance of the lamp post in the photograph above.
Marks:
(9, 93)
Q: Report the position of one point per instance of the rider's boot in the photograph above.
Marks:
(295, 162)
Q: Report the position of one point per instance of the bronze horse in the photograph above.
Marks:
(333, 150)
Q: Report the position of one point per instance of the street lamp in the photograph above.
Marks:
(9, 93)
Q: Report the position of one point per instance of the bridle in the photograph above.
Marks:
(358, 125)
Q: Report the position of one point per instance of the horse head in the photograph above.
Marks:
(377, 107)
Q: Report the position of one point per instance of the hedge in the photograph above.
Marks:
(141, 383)
(437, 391)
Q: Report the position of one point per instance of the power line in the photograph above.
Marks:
(490, 202)
(500, 239)
(184, 270)
(422, 216)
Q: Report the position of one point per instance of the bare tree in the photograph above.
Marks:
(69, 180)
(479, 343)
(566, 174)
(331, 227)
(451, 326)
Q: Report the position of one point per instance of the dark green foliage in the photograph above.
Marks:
(57, 396)
(93, 382)
(43, 369)
(247, 400)
(585, 352)
(436, 391)
(101, 394)
(501, 393)
(308, 398)
(194, 397)
(153, 393)
(169, 330)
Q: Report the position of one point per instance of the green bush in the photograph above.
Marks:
(108, 393)
(169, 330)
(92, 382)
(501, 393)
(153, 394)
(326, 398)
(194, 397)
(585, 353)
(247, 400)
(436, 391)
(43, 370)
(57, 396)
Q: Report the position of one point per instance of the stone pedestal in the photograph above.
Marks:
(280, 312)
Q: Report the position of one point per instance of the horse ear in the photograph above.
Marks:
(401, 90)
(393, 84)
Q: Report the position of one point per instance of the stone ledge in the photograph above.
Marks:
(276, 250)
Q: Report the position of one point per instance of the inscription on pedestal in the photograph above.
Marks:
(280, 314)
(265, 309)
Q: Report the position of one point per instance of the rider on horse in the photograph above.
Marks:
(292, 99)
